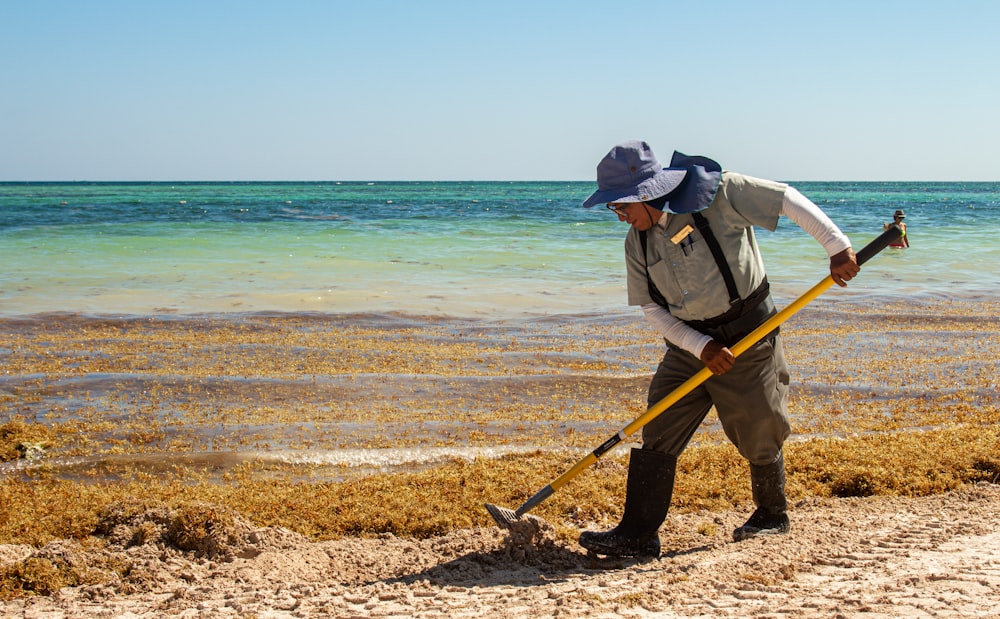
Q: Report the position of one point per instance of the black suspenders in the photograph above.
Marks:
(720, 258)
(654, 292)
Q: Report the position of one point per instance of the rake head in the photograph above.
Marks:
(505, 517)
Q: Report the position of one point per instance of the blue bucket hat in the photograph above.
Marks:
(630, 172)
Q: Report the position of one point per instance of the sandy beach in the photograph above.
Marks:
(876, 557)
(233, 384)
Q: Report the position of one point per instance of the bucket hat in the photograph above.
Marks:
(630, 172)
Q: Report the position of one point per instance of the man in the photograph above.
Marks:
(694, 267)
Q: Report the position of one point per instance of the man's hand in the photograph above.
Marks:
(717, 358)
(844, 266)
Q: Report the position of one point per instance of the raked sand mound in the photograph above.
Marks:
(935, 556)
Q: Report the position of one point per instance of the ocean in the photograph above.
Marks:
(464, 249)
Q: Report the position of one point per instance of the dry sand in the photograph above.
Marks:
(935, 556)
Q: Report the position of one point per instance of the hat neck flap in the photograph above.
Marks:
(698, 189)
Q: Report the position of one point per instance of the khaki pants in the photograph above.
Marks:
(750, 399)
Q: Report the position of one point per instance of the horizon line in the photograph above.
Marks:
(376, 181)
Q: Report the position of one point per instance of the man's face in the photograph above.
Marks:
(635, 213)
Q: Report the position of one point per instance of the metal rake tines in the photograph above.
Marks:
(504, 517)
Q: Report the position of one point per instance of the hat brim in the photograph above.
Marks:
(660, 184)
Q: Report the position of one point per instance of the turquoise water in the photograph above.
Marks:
(457, 249)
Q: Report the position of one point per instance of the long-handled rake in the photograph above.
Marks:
(507, 517)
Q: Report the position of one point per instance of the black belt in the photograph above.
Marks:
(740, 308)
(745, 316)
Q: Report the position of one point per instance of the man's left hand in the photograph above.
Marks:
(717, 358)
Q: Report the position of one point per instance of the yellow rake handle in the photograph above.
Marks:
(866, 253)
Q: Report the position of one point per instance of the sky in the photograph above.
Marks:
(503, 90)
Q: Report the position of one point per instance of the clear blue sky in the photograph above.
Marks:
(504, 90)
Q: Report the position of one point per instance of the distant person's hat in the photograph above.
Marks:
(630, 172)
(899, 214)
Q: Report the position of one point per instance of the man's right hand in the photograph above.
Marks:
(717, 358)
(844, 266)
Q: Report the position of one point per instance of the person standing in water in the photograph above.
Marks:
(897, 220)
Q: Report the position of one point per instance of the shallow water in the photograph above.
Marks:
(454, 249)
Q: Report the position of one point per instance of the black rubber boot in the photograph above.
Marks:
(647, 498)
(770, 517)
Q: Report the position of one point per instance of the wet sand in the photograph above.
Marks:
(329, 388)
